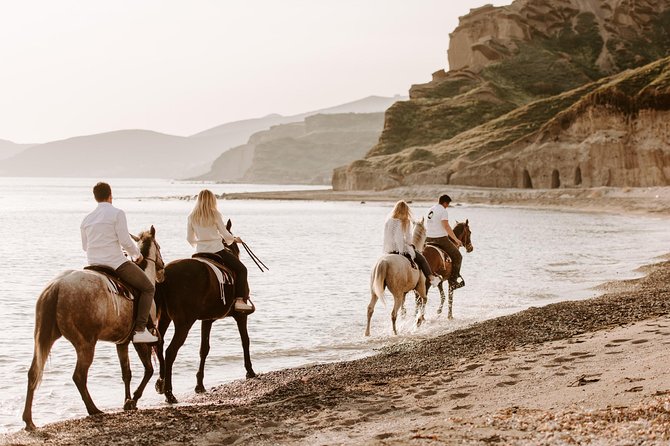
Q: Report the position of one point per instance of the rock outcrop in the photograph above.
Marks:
(514, 68)
(299, 153)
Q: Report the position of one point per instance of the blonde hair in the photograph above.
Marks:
(402, 212)
(205, 211)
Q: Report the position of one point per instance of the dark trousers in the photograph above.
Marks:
(423, 264)
(451, 249)
(135, 277)
(241, 284)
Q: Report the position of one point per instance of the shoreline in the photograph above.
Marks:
(643, 200)
(573, 371)
(543, 375)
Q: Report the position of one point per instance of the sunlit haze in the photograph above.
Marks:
(72, 67)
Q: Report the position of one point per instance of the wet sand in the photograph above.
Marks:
(579, 372)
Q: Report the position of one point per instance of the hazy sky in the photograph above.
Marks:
(79, 67)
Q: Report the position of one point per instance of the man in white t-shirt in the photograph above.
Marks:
(440, 233)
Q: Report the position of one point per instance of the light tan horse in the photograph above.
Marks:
(394, 272)
(79, 306)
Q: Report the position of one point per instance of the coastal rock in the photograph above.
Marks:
(513, 69)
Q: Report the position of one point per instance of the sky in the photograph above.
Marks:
(71, 68)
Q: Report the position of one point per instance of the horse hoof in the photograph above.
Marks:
(251, 374)
(30, 426)
(170, 399)
(95, 412)
(200, 388)
(160, 387)
(130, 405)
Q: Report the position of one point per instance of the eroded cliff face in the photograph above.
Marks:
(513, 69)
(618, 31)
(602, 147)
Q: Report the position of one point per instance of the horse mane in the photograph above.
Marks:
(145, 246)
(419, 235)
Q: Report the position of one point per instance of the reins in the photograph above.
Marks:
(253, 256)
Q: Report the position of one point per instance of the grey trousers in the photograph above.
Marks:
(456, 256)
(135, 277)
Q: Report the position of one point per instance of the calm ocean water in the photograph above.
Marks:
(311, 305)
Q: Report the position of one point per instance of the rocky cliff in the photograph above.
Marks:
(513, 68)
(299, 153)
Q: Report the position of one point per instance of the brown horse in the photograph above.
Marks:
(80, 306)
(441, 263)
(395, 272)
(189, 293)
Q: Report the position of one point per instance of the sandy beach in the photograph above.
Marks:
(578, 372)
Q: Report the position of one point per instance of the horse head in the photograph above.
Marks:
(233, 246)
(151, 251)
(463, 232)
(419, 235)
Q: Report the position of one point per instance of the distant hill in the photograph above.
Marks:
(143, 153)
(299, 152)
(592, 71)
(8, 149)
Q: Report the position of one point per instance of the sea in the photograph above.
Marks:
(311, 304)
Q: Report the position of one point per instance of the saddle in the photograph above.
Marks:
(119, 287)
(408, 257)
(442, 252)
(218, 261)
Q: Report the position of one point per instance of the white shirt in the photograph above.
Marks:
(396, 239)
(103, 233)
(208, 238)
(434, 218)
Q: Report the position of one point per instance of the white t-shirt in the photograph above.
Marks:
(434, 227)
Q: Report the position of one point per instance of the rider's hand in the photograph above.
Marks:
(236, 239)
(139, 259)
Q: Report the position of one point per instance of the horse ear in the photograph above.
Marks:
(229, 224)
(134, 237)
(422, 220)
(466, 221)
(152, 231)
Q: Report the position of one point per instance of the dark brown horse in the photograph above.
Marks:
(191, 292)
(441, 264)
(80, 306)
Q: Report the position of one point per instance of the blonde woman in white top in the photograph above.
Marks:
(398, 238)
(207, 233)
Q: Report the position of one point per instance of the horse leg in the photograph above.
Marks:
(398, 299)
(180, 334)
(126, 373)
(144, 352)
(241, 320)
(163, 324)
(371, 309)
(442, 297)
(421, 300)
(34, 377)
(204, 351)
(451, 301)
(85, 353)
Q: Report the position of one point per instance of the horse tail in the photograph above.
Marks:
(379, 279)
(46, 329)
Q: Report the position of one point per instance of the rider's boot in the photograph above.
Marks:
(456, 283)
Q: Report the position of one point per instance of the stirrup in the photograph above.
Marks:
(455, 284)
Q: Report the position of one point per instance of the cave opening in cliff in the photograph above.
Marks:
(578, 176)
(527, 182)
(555, 179)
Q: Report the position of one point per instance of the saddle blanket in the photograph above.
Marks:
(221, 276)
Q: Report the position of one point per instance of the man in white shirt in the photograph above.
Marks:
(440, 233)
(104, 232)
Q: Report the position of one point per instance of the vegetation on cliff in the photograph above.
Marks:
(567, 55)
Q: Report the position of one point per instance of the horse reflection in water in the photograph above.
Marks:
(394, 271)
(79, 306)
